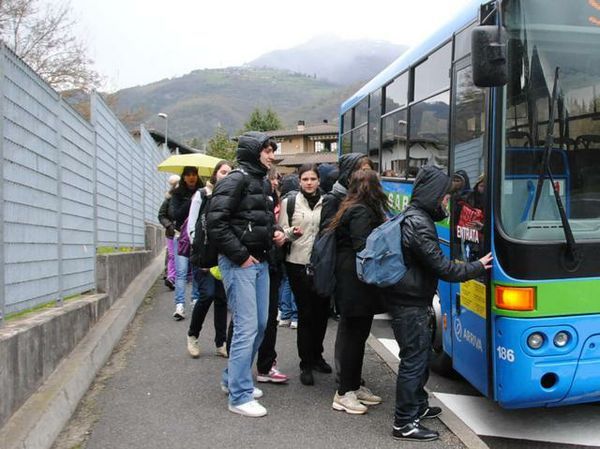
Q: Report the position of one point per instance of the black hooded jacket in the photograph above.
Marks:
(181, 200)
(240, 218)
(332, 200)
(422, 253)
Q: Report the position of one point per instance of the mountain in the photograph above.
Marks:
(201, 101)
(290, 82)
(347, 61)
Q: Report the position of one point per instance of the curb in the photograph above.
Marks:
(463, 432)
(42, 417)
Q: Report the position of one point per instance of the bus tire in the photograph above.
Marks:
(439, 361)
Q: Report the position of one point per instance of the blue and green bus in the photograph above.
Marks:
(508, 95)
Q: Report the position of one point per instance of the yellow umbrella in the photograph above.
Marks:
(176, 163)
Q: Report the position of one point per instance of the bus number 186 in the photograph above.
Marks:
(506, 354)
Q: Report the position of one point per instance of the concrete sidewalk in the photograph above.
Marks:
(152, 394)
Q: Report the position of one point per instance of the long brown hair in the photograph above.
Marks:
(213, 176)
(365, 189)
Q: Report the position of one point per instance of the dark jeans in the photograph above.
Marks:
(313, 312)
(266, 356)
(352, 334)
(413, 334)
(211, 290)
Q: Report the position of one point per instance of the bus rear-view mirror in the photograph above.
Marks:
(488, 53)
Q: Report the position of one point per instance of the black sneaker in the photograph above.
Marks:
(169, 283)
(306, 377)
(430, 412)
(322, 367)
(414, 432)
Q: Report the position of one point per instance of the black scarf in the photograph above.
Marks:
(312, 198)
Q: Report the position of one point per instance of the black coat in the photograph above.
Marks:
(353, 297)
(179, 206)
(240, 218)
(164, 218)
(420, 245)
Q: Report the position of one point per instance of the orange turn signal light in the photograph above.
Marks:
(515, 298)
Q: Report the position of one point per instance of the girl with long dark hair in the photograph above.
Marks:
(179, 209)
(362, 210)
(210, 289)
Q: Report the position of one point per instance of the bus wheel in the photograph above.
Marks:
(439, 361)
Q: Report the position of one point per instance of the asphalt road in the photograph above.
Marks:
(151, 394)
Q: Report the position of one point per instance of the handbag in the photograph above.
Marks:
(183, 244)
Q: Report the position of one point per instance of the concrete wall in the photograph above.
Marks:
(32, 347)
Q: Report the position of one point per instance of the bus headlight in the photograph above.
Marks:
(561, 339)
(535, 340)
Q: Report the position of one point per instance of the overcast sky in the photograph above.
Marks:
(135, 42)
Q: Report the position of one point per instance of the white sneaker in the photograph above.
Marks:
(366, 396)
(251, 409)
(179, 313)
(193, 304)
(221, 351)
(284, 323)
(193, 347)
(257, 393)
(348, 403)
(294, 325)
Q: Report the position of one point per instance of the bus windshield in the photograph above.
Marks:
(549, 37)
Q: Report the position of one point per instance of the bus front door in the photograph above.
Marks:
(468, 218)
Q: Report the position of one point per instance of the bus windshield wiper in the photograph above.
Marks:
(573, 257)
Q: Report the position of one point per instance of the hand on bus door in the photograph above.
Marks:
(486, 261)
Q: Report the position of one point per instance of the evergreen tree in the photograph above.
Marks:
(258, 121)
(221, 146)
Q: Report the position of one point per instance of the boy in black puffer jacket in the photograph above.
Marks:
(241, 223)
(409, 300)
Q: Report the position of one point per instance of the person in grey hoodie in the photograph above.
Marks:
(348, 164)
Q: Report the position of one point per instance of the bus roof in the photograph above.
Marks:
(463, 17)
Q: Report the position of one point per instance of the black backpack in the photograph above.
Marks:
(322, 263)
(203, 253)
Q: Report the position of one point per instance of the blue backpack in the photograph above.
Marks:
(381, 262)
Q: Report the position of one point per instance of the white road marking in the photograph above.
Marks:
(391, 345)
(567, 425)
(578, 424)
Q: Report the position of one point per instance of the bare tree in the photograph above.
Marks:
(43, 37)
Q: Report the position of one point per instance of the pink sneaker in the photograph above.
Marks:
(274, 376)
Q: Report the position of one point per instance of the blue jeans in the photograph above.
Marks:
(247, 291)
(287, 302)
(182, 266)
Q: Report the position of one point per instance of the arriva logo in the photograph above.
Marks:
(466, 335)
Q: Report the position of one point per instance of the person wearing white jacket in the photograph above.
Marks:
(301, 229)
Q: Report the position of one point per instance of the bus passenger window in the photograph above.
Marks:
(393, 142)
(429, 131)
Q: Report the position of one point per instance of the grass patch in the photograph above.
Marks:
(39, 307)
(116, 249)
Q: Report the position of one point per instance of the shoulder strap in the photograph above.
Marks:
(291, 206)
(203, 196)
